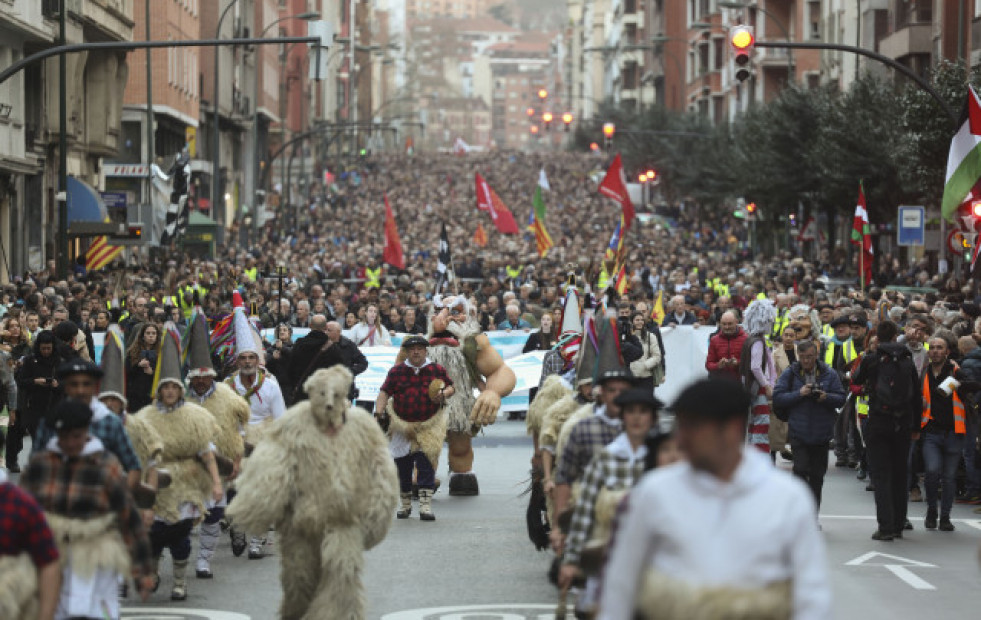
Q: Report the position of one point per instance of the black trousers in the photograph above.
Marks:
(811, 465)
(887, 446)
(15, 438)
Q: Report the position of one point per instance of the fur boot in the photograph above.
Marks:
(405, 508)
(426, 505)
(179, 591)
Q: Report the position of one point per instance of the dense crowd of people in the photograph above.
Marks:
(808, 351)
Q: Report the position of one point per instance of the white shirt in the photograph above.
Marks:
(755, 530)
(267, 402)
(360, 335)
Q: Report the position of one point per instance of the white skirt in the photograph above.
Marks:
(92, 597)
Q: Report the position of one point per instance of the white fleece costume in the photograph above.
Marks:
(324, 477)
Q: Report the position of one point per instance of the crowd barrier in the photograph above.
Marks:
(686, 350)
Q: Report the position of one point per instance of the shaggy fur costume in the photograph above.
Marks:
(95, 544)
(230, 411)
(582, 413)
(329, 497)
(553, 390)
(555, 416)
(604, 511)
(664, 598)
(145, 439)
(460, 405)
(426, 437)
(18, 587)
(187, 431)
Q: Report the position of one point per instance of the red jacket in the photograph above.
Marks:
(722, 346)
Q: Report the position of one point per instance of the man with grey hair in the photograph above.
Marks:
(302, 316)
(514, 320)
(679, 314)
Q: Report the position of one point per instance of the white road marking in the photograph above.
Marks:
(975, 523)
(897, 566)
(906, 575)
(170, 613)
(506, 611)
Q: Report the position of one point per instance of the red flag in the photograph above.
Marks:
(393, 246)
(614, 186)
(861, 236)
(487, 200)
(480, 237)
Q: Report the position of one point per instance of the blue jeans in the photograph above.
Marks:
(941, 455)
(970, 448)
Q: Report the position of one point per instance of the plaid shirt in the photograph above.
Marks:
(87, 487)
(110, 431)
(552, 364)
(588, 438)
(409, 389)
(23, 527)
(608, 471)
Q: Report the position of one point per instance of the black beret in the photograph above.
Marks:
(415, 341)
(69, 415)
(842, 320)
(78, 366)
(639, 396)
(714, 398)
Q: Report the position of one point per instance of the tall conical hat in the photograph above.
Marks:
(247, 339)
(586, 362)
(610, 364)
(113, 365)
(571, 313)
(168, 358)
(199, 348)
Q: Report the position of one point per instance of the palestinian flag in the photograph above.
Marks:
(964, 158)
(542, 239)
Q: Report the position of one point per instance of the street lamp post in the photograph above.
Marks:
(255, 120)
(216, 137)
(733, 4)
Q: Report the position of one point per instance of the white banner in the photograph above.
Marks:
(686, 349)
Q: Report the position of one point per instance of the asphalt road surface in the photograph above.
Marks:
(475, 561)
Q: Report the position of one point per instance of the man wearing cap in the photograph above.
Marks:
(79, 381)
(412, 397)
(100, 533)
(607, 480)
(232, 413)
(700, 537)
(826, 313)
(588, 435)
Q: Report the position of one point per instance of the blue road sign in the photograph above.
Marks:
(114, 200)
(912, 224)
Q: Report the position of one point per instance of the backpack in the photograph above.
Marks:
(892, 389)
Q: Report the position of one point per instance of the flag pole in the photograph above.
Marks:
(861, 267)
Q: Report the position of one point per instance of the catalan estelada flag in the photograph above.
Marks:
(543, 240)
(613, 250)
(100, 253)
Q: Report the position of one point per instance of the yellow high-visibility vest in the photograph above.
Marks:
(849, 352)
(251, 274)
(372, 277)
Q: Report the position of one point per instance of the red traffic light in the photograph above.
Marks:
(530, 111)
(593, 146)
(567, 118)
(608, 130)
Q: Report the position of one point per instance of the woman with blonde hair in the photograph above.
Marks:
(370, 332)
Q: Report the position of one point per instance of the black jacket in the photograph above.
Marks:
(35, 400)
(309, 356)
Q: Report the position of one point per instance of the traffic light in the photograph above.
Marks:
(131, 234)
(651, 174)
(530, 112)
(567, 119)
(534, 130)
(547, 119)
(743, 43)
(608, 130)
(751, 211)
(542, 94)
(642, 178)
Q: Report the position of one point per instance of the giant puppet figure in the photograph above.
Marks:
(457, 344)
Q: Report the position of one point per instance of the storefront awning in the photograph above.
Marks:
(84, 203)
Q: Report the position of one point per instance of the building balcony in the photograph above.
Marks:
(912, 40)
(771, 57)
